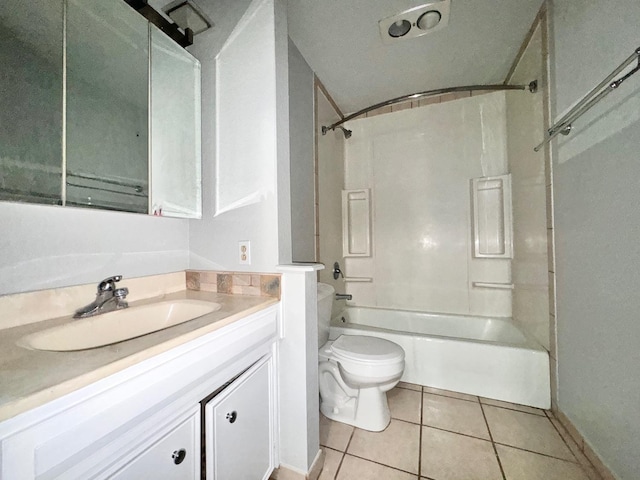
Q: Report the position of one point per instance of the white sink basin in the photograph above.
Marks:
(117, 326)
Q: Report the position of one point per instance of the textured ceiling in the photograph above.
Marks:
(341, 42)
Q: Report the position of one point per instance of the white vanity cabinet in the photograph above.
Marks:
(144, 422)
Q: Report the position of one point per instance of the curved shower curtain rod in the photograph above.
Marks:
(532, 87)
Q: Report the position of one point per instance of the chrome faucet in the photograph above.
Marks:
(108, 298)
(344, 296)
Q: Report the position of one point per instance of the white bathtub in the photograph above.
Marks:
(489, 357)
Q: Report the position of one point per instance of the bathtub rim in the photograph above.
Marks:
(530, 343)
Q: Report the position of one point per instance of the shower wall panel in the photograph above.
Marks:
(418, 164)
(330, 171)
(525, 120)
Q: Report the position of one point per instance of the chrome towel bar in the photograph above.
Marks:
(604, 88)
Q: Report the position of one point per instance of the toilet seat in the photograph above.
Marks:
(366, 350)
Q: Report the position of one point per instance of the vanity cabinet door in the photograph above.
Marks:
(173, 456)
(239, 429)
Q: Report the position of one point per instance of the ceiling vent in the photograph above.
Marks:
(415, 22)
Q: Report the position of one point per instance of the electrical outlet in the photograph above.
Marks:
(244, 251)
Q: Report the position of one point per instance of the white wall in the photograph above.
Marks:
(301, 112)
(250, 151)
(525, 127)
(597, 220)
(330, 156)
(418, 164)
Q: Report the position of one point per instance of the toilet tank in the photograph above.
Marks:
(325, 304)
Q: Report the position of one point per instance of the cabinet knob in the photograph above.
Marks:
(232, 416)
(179, 456)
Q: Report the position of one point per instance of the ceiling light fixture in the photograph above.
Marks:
(399, 28)
(415, 22)
(429, 20)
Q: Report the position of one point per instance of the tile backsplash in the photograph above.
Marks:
(236, 283)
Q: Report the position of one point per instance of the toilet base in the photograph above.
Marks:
(369, 411)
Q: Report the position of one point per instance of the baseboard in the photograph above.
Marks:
(590, 455)
(284, 472)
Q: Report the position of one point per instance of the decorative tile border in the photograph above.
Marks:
(235, 283)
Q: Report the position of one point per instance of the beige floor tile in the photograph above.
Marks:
(521, 465)
(454, 414)
(398, 446)
(527, 431)
(405, 404)
(358, 469)
(410, 386)
(512, 406)
(332, 461)
(449, 456)
(334, 435)
(448, 393)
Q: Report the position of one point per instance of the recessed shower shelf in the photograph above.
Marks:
(492, 220)
(356, 223)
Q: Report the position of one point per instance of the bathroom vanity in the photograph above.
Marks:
(197, 397)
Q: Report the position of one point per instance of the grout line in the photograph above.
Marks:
(331, 448)
(407, 388)
(543, 415)
(344, 454)
(421, 429)
(455, 398)
(339, 465)
(538, 453)
(457, 433)
(495, 450)
(353, 432)
(567, 444)
(382, 464)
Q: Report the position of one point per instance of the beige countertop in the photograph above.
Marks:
(31, 378)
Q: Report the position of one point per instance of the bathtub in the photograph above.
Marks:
(489, 357)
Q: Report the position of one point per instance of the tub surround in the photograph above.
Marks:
(31, 378)
(422, 259)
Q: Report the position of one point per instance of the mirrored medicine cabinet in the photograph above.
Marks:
(98, 109)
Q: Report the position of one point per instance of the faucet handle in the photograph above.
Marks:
(121, 293)
(109, 284)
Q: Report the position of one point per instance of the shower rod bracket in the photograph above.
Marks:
(531, 87)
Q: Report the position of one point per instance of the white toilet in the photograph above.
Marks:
(355, 372)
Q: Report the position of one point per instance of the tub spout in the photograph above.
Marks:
(343, 296)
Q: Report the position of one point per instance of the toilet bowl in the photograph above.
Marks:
(355, 372)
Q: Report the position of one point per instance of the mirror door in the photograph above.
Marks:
(107, 106)
(31, 103)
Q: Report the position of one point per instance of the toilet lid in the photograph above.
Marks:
(358, 347)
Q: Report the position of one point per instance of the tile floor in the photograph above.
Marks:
(440, 435)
